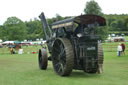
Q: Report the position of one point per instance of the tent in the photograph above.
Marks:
(17, 42)
(8, 42)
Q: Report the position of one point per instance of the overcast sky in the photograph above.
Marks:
(30, 9)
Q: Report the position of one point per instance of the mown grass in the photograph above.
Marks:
(23, 70)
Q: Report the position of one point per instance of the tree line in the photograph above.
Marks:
(15, 29)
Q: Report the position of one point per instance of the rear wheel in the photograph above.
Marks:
(42, 59)
(62, 57)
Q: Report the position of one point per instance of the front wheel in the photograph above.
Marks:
(42, 59)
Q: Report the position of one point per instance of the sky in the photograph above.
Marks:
(30, 9)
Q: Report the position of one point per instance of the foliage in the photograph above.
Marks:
(126, 23)
(1, 32)
(117, 22)
(58, 17)
(102, 32)
(92, 7)
(14, 29)
(34, 29)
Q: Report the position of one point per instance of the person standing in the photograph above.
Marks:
(119, 49)
(123, 49)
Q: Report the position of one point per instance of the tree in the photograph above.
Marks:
(15, 29)
(126, 23)
(1, 32)
(58, 17)
(117, 22)
(102, 32)
(92, 7)
(34, 29)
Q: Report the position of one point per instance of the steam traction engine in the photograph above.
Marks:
(73, 44)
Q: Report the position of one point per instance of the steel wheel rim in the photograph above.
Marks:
(59, 58)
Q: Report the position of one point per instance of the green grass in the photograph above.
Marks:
(126, 37)
(23, 70)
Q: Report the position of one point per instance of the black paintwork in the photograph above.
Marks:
(85, 46)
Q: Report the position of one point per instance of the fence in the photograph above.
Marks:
(107, 47)
(110, 47)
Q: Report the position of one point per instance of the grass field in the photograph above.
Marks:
(23, 70)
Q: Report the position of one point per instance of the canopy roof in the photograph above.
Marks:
(83, 19)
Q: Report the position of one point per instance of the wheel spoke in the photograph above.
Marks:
(57, 64)
(56, 49)
(58, 44)
(61, 53)
(61, 68)
(62, 50)
(61, 46)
